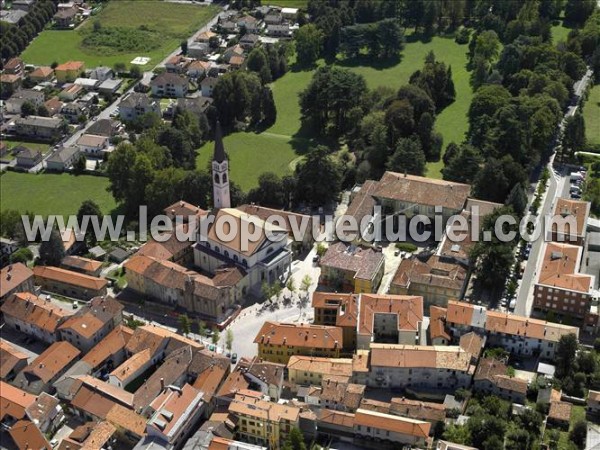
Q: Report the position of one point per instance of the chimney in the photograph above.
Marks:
(405, 173)
(162, 384)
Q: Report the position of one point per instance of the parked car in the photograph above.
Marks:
(576, 196)
(234, 358)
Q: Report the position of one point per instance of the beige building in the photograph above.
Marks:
(68, 283)
(277, 342)
(372, 426)
(308, 370)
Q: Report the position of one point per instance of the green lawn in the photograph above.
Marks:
(172, 22)
(53, 194)
(276, 148)
(291, 3)
(42, 147)
(591, 114)
(560, 32)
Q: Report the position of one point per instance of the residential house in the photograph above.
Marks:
(69, 71)
(25, 434)
(14, 403)
(42, 74)
(277, 342)
(196, 105)
(437, 327)
(82, 265)
(351, 268)
(310, 370)
(329, 424)
(44, 370)
(339, 395)
(177, 64)
(559, 414)
(418, 368)
(92, 144)
(33, 316)
(574, 215)
(74, 112)
(373, 425)
(93, 399)
(228, 27)
(339, 310)
(71, 91)
(8, 247)
(249, 41)
(14, 66)
(197, 50)
(289, 13)
(109, 353)
(593, 403)
(104, 127)
(92, 323)
(212, 297)
(169, 85)
(236, 50)
(15, 102)
(434, 413)
(12, 16)
(54, 106)
(492, 377)
(561, 286)
(38, 127)
(234, 383)
(101, 73)
(12, 360)
(436, 279)
(205, 36)
(27, 157)
(279, 31)
(198, 69)
(263, 422)
(131, 369)
(9, 84)
(207, 85)
(15, 278)
(136, 104)
(62, 159)
(130, 426)
(65, 18)
(46, 413)
(516, 334)
(71, 284)
(273, 18)
(249, 23)
(110, 87)
(22, 5)
(175, 414)
(264, 376)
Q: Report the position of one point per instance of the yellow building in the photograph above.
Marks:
(262, 422)
(69, 71)
(309, 371)
(277, 342)
(349, 268)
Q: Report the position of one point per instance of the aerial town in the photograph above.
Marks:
(459, 140)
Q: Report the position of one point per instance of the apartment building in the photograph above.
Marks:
(560, 287)
(417, 367)
(373, 425)
(492, 377)
(519, 335)
(350, 268)
(570, 221)
(263, 422)
(308, 370)
(277, 342)
(33, 316)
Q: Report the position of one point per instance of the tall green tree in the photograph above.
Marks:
(408, 157)
(52, 251)
(464, 165)
(91, 209)
(565, 355)
(309, 41)
(318, 178)
(229, 339)
(294, 440)
(184, 324)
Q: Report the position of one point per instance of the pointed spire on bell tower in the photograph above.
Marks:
(219, 153)
(220, 169)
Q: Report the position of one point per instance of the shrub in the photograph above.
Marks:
(406, 247)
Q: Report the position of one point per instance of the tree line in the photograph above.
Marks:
(16, 37)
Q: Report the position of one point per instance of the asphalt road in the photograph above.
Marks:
(556, 189)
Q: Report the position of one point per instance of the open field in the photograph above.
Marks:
(42, 147)
(169, 23)
(591, 114)
(277, 147)
(560, 32)
(53, 194)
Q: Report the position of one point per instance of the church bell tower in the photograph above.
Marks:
(220, 172)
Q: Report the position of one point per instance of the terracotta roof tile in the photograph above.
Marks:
(27, 436)
(52, 361)
(416, 409)
(388, 422)
(14, 401)
(10, 357)
(437, 323)
(407, 309)
(324, 366)
(578, 209)
(127, 419)
(364, 262)
(439, 357)
(69, 277)
(12, 276)
(300, 335)
(560, 411)
(113, 343)
(560, 268)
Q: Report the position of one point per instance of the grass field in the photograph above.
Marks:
(591, 114)
(53, 194)
(559, 32)
(171, 22)
(276, 149)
